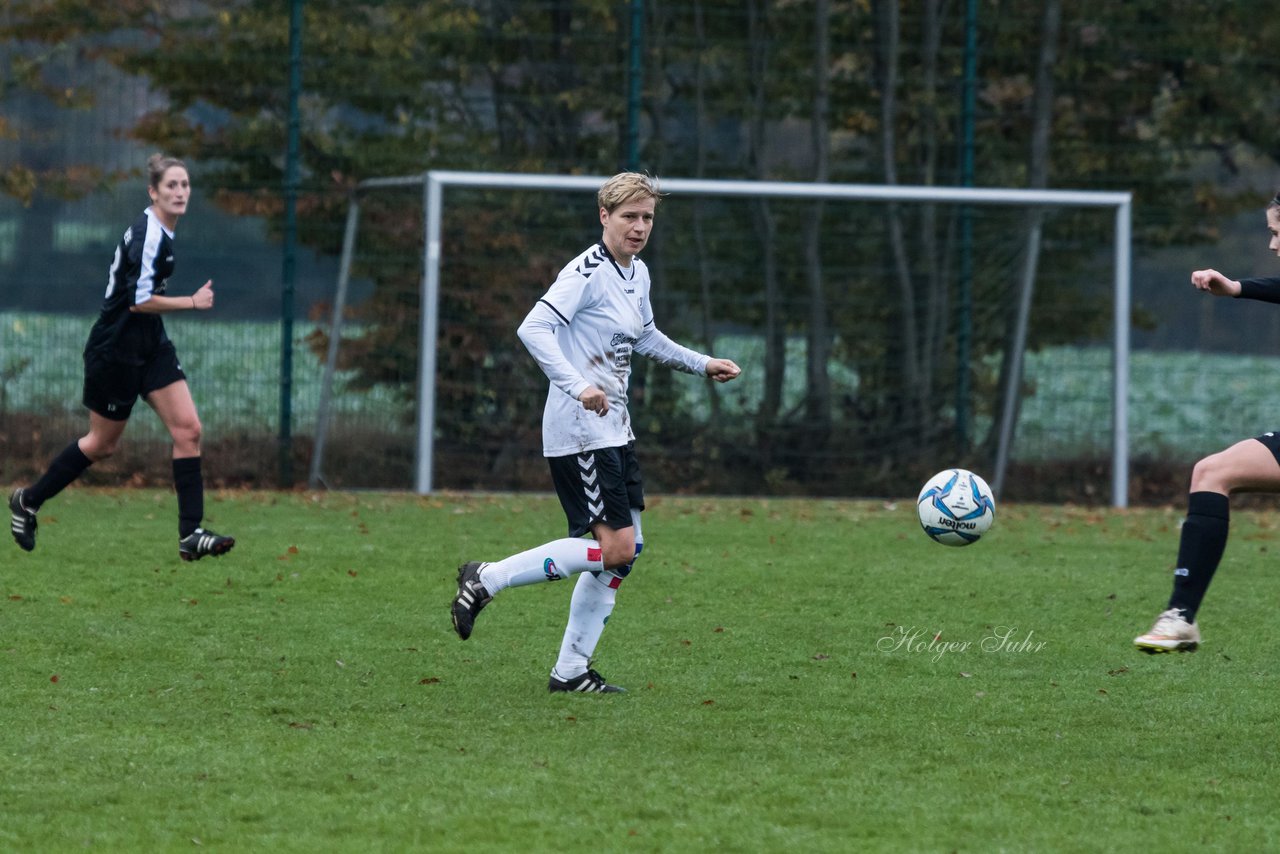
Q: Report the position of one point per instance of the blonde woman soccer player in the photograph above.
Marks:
(583, 333)
(1252, 465)
(129, 355)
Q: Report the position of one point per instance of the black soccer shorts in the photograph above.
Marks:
(1272, 441)
(597, 486)
(112, 388)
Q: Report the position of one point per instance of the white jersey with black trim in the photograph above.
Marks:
(582, 333)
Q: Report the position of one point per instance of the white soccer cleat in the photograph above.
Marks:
(1171, 633)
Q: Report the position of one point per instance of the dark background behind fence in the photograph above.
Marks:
(1162, 101)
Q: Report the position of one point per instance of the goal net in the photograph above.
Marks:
(885, 332)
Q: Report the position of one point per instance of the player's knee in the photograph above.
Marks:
(621, 572)
(187, 433)
(98, 449)
(1210, 473)
(1200, 471)
(618, 553)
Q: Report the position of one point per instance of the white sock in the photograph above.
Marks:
(548, 562)
(589, 610)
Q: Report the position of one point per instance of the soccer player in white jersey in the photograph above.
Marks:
(582, 333)
(129, 355)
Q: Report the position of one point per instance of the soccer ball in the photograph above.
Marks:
(956, 507)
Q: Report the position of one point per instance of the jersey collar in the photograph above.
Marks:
(627, 274)
(150, 212)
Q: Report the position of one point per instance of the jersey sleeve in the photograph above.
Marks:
(568, 293)
(1263, 289)
(538, 332)
(654, 343)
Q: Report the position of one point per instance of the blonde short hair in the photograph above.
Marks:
(627, 187)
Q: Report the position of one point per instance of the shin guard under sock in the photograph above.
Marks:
(64, 469)
(1204, 538)
(189, 484)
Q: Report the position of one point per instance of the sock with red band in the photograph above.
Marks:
(548, 562)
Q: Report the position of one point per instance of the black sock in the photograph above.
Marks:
(1204, 537)
(64, 469)
(189, 483)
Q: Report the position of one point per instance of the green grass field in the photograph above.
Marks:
(306, 692)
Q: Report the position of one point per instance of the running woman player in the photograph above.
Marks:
(1251, 465)
(129, 355)
(582, 333)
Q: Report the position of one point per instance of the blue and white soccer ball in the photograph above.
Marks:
(956, 507)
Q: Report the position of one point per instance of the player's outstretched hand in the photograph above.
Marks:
(722, 370)
(1215, 283)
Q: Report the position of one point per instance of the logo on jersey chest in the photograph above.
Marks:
(622, 345)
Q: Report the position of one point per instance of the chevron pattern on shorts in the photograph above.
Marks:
(591, 485)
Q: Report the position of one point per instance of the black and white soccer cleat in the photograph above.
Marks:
(588, 683)
(201, 542)
(469, 600)
(22, 521)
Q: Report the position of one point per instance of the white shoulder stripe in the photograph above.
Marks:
(150, 249)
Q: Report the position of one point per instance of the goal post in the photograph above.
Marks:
(434, 185)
